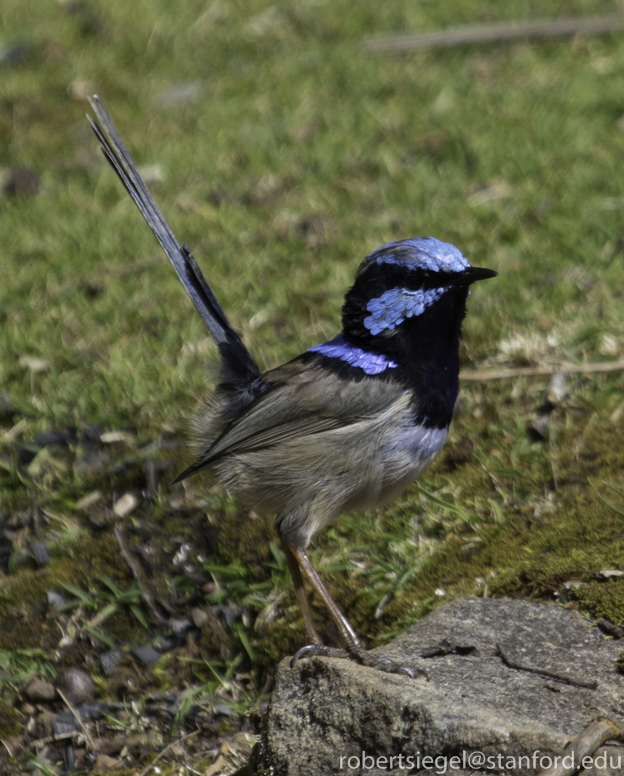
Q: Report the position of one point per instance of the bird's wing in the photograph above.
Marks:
(301, 401)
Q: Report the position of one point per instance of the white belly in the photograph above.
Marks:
(309, 481)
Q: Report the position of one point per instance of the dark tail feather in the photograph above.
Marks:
(238, 366)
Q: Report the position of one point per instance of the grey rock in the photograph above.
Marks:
(325, 711)
(40, 551)
(109, 660)
(90, 711)
(147, 655)
(38, 691)
(64, 723)
(200, 617)
(538, 428)
(76, 686)
(609, 574)
(181, 627)
(55, 599)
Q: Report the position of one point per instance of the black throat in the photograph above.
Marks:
(426, 350)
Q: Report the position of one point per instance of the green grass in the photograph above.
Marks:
(300, 156)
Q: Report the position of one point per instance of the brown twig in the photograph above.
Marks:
(612, 630)
(135, 572)
(146, 770)
(532, 371)
(544, 672)
(584, 745)
(79, 721)
(493, 33)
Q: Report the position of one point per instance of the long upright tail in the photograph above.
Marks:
(239, 368)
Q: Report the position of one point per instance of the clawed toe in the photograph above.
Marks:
(319, 650)
(391, 667)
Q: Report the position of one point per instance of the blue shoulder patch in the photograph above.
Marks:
(370, 363)
(424, 252)
(395, 305)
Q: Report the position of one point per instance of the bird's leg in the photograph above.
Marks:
(295, 573)
(344, 626)
(354, 647)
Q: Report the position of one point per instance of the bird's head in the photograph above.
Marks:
(406, 288)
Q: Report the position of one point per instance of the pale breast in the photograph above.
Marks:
(308, 481)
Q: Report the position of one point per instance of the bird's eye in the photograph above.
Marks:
(415, 283)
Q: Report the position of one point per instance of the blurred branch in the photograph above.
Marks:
(530, 371)
(493, 33)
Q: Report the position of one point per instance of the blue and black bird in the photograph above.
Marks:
(350, 423)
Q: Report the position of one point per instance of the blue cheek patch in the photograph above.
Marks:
(424, 252)
(395, 305)
(370, 363)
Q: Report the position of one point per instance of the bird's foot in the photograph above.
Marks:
(384, 664)
(360, 655)
(319, 650)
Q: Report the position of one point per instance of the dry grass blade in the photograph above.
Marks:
(533, 371)
(493, 33)
(159, 757)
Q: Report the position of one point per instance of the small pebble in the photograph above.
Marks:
(38, 691)
(199, 617)
(109, 660)
(181, 627)
(63, 723)
(55, 599)
(574, 585)
(147, 655)
(557, 388)
(538, 428)
(609, 574)
(112, 437)
(40, 551)
(126, 504)
(35, 364)
(86, 502)
(76, 686)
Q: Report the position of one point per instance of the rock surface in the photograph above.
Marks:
(325, 711)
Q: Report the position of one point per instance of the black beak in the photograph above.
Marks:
(472, 274)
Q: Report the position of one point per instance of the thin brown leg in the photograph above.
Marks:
(344, 626)
(354, 647)
(295, 573)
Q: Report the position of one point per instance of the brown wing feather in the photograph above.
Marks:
(297, 404)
